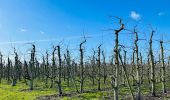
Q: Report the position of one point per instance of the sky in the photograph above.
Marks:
(66, 22)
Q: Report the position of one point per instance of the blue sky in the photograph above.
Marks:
(22, 21)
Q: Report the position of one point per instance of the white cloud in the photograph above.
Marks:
(134, 15)
(161, 13)
(42, 32)
(23, 30)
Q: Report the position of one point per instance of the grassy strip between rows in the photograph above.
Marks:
(22, 92)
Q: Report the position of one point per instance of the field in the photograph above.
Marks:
(22, 92)
(84, 50)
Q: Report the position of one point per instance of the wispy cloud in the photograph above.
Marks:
(24, 42)
(50, 40)
(135, 16)
(23, 30)
(161, 13)
(42, 32)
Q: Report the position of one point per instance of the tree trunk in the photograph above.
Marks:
(81, 67)
(137, 67)
(116, 55)
(152, 66)
(59, 73)
(163, 68)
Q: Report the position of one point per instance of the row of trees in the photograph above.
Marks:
(63, 68)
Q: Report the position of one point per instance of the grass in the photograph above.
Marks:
(21, 91)
(88, 96)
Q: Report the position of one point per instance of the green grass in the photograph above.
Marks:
(21, 92)
(89, 96)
